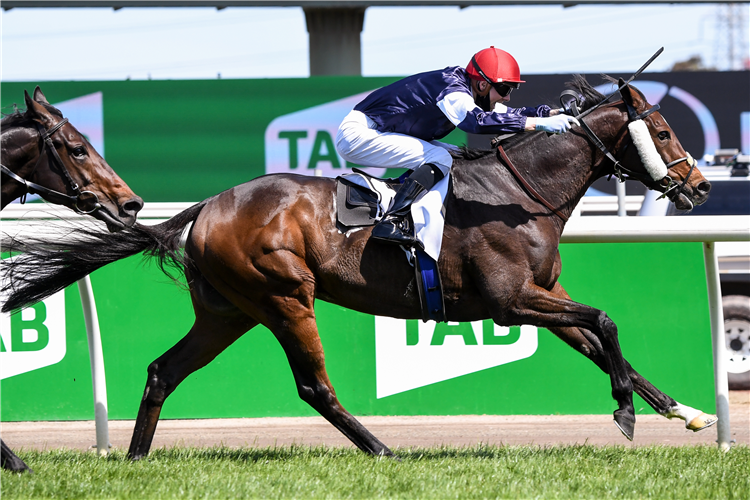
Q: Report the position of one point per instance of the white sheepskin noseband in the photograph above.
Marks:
(647, 150)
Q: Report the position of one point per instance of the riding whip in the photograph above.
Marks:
(635, 75)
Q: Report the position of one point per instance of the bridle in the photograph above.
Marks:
(84, 202)
(672, 190)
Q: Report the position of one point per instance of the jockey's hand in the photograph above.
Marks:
(555, 124)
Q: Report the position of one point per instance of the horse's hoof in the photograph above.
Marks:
(17, 466)
(387, 453)
(701, 422)
(626, 424)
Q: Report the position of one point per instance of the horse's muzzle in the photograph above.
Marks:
(686, 197)
(700, 193)
(125, 217)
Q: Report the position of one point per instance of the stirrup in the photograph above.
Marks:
(393, 231)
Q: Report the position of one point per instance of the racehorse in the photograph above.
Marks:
(43, 153)
(262, 252)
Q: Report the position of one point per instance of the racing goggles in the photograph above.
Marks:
(502, 88)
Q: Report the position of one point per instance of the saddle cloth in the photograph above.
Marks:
(363, 200)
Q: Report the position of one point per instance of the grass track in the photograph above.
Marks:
(448, 472)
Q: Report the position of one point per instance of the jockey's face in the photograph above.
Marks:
(497, 98)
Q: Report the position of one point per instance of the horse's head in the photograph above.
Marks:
(652, 153)
(59, 158)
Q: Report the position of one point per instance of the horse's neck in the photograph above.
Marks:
(561, 168)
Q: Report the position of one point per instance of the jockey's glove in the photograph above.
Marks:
(555, 124)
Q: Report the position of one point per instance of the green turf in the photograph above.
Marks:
(700, 472)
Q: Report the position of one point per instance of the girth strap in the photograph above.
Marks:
(526, 185)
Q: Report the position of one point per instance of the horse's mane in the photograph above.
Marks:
(590, 97)
(467, 153)
(13, 119)
(17, 118)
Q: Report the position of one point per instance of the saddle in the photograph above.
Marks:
(359, 197)
(359, 203)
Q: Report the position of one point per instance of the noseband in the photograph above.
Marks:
(82, 199)
(672, 190)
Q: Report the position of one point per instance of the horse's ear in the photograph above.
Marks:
(37, 112)
(630, 96)
(39, 96)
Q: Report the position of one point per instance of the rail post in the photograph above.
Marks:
(96, 355)
(718, 342)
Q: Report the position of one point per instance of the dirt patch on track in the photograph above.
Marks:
(394, 431)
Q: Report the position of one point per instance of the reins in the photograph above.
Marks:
(526, 185)
(592, 136)
(82, 199)
(620, 171)
(672, 190)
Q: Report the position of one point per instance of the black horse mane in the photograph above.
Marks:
(590, 98)
(13, 119)
(17, 118)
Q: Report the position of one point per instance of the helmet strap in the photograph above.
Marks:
(479, 70)
(483, 101)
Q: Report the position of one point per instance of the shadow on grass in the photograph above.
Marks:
(479, 451)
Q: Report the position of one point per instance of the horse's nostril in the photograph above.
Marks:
(133, 206)
(704, 187)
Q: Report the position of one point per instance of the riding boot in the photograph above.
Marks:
(394, 227)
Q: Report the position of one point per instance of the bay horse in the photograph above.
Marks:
(43, 153)
(263, 251)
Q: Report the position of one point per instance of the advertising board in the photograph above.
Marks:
(382, 366)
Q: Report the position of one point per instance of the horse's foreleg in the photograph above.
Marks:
(540, 307)
(10, 461)
(584, 341)
(208, 337)
(301, 343)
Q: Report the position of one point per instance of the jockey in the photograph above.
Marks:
(399, 126)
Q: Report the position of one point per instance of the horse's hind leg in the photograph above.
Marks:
(208, 337)
(10, 461)
(303, 349)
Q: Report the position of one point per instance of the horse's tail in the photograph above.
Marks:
(49, 263)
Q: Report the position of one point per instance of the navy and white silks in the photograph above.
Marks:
(400, 126)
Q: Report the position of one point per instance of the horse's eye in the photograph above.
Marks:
(79, 151)
(664, 135)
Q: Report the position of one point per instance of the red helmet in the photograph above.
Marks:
(494, 66)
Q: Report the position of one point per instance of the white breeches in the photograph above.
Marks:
(358, 142)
